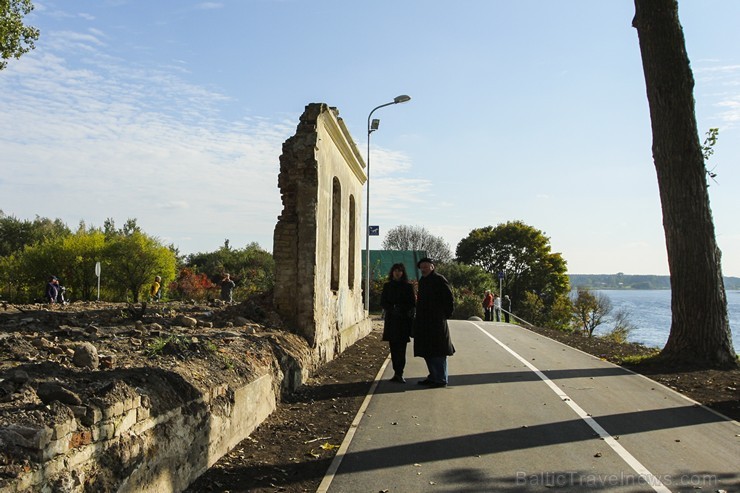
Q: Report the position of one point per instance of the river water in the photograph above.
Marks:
(650, 312)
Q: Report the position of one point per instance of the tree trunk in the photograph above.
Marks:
(700, 329)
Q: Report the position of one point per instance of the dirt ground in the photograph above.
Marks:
(285, 453)
(293, 448)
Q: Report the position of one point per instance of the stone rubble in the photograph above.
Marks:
(96, 396)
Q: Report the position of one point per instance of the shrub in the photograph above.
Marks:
(622, 327)
(532, 309)
(560, 314)
(191, 285)
(467, 304)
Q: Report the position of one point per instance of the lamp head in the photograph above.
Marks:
(401, 99)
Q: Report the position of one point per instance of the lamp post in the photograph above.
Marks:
(372, 126)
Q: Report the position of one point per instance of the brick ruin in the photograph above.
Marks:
(318, 269)
(160, 430)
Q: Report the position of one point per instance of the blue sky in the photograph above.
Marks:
(173, 112)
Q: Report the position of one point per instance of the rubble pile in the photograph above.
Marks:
(104, 396)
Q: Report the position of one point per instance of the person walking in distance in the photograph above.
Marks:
(488, 306)
(52, 290)
(227, 289)
(431, 333)
(507, 308)
(155, 289)
(398, 301)
(497, 307)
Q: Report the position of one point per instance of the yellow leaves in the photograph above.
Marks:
(324, 446)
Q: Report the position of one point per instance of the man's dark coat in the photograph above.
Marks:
(434, 306)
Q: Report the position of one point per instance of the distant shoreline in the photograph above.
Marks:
(621, 281)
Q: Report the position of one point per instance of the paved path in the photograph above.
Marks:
(525, 413)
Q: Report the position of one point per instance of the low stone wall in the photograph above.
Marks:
(131, 443)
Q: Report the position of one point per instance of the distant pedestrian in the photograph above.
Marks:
(497, 307)
(507, 308)
(227, 289)
(398, 301)
(155, 291)
(52, 291)
(434, 305)
(488, 306)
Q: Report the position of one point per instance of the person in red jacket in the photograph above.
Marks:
(488, 306)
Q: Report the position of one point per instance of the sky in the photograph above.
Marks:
(173, 112)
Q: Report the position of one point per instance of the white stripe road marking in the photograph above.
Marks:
(648, 477)
(334, 466)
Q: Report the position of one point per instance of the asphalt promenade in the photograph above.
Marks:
(524, 413)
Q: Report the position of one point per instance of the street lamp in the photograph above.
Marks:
(372, 126)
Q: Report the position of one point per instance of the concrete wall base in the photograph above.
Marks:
(126, 447)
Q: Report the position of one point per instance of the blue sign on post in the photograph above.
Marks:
(501, 275)
(373, 230)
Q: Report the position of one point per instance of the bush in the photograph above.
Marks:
(191, 285)
(467, 304)
(532, 309)
(376, 289)
(468, 277)
(622, 327)
(561, 314)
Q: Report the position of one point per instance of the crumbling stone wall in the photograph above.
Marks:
(142, 429)
(317, 240)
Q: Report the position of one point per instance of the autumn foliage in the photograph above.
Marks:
(191, 285)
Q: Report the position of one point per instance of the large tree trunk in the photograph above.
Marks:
(700, 330)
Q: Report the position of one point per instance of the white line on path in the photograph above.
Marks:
(649, 478)
(334, 466)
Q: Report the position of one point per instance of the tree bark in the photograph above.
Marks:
(700, 329)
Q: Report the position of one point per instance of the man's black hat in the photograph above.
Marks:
(425, 259)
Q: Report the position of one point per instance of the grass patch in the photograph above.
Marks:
(174, 344)
(642, 359)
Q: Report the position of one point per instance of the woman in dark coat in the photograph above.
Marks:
(398, 301)
(434, 306)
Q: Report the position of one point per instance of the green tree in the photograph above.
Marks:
(560, 313)
(134, 260)
(417, 238)
(469, 277)
(697, 336)
(523, 253)
(532, 309)
(251, 268)
(16, 38)
(15, 234)
(590, 310)
(80, 252)
(11, 289)
(467, 304)
(130, 258)
(32, 267)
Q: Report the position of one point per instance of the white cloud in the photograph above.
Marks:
(120, 142)
(103, 138)
(209, 6)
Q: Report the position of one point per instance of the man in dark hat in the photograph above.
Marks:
(52, 291)
(434, 306)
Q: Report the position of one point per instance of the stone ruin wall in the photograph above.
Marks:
(152, 435)
(317, 241)
(318, 293)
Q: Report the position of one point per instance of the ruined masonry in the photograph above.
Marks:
(318, 268)
(158, 429)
